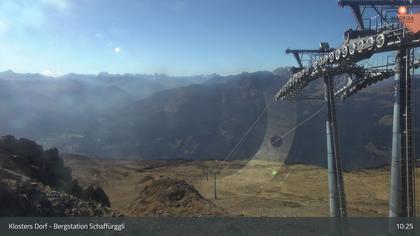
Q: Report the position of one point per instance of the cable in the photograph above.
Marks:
(300, 124)
(249, 129)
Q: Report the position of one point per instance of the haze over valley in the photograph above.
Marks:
(195, 117)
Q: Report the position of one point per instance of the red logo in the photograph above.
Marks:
(402, 10)
(411, 21)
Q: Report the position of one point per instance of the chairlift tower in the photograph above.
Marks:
(402, 192)
(335, 174)
(384, 32)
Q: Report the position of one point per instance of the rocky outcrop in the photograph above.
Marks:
(171, 197)
(96, 193)
(34, 182)
(28, 158)
(21, 196)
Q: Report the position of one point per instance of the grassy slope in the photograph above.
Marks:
(244, 189)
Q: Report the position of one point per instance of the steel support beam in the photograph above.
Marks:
(402, 202)
(395, 198)
(335, 174)
(358, 15)
(297, 57)
(407, 144)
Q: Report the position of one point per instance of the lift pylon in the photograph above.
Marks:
(389, 33)
(335, 172)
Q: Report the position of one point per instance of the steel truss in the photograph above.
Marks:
(385, 35)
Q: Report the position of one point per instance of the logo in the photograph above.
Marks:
(402, 10)
(410, 21)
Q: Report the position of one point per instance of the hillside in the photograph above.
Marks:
(256, 188)
(365, 129)
(193, 122)
(55, 110)
(187, 118)
(207, 121)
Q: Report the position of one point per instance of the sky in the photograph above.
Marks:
(175, 37)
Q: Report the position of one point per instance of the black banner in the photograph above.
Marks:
(208, 226)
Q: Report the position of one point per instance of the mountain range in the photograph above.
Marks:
(195, 117)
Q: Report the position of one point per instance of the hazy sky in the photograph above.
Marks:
(177, 37)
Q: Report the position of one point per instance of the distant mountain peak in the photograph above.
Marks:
(8, 72)
(103, 73)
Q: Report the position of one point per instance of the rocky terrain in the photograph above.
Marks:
(37, 182)
(170, 197)
(34, 182)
